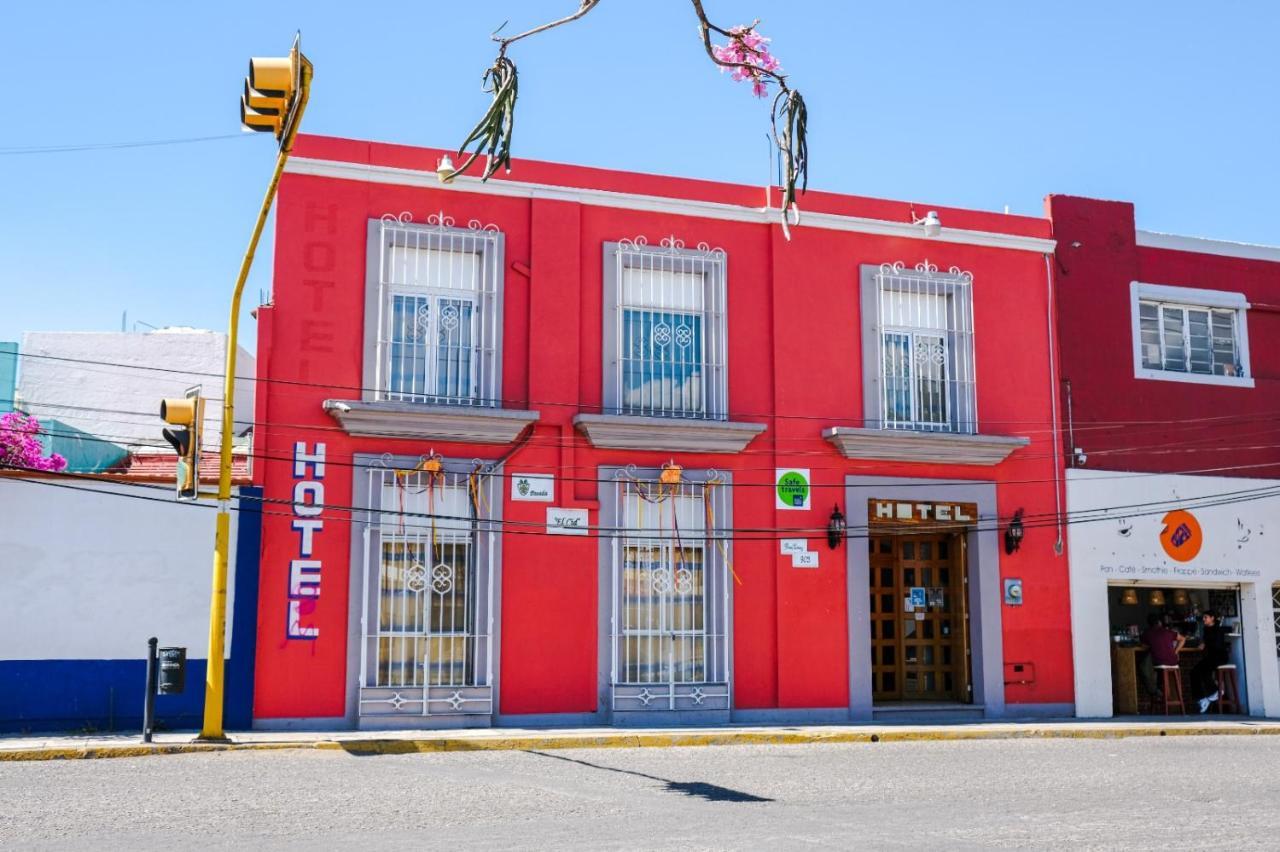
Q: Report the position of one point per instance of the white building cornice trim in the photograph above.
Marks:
(366, 173)
(1200, 245)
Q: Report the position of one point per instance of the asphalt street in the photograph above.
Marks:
(1179, 792)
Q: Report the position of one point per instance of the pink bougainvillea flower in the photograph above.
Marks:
(20, 447)
(748, 54)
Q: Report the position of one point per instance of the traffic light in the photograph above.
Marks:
(270, 99)
(187, 415)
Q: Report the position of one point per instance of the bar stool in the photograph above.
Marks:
(1171, 678)
(1228, 689)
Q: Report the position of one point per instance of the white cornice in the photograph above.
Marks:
(656, 204)
(1200, 245)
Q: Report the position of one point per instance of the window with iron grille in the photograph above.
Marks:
(428, 587)
(670, 579)
(1275, 609)
(918, 350)
(438, 312)
(1188, 339)
(664, 330)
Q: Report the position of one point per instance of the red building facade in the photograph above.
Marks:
(1170, 397)
(566, 446)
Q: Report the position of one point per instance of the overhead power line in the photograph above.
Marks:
(112, 146)
(985, 524)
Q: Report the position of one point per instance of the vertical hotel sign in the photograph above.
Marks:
(308, 523)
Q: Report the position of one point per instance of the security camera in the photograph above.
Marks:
(1079, 457)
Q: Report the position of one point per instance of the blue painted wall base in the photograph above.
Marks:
(88, 696)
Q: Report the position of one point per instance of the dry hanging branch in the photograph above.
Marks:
(746, 54)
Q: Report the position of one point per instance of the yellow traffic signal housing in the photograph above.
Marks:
(188, 415)
(270, 93)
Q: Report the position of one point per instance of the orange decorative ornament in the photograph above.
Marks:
(1181, 537)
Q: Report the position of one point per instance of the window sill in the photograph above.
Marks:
(666, 434)
(926, 447)
(429, 422)
(1193, 378)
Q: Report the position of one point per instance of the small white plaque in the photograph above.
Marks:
(808, 559)
(566, 521)
(534, 487)
(793, 546)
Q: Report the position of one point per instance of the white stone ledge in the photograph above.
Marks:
(467, 424)
(929, 447)
(666, 434)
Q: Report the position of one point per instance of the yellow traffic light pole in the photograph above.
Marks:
(215, 686)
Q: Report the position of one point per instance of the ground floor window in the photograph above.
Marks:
(428, 588)
(670, 570)
(1275, 611)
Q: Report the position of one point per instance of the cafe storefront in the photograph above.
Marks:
(1168, 548)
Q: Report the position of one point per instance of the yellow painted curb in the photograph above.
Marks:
(647, 739)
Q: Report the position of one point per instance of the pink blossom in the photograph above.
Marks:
(748, 53)
(20, 447)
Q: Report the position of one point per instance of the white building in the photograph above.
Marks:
(1172, 544)
(109, 384)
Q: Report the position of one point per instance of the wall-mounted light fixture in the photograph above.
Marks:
(444, 169)
(931, 223)
(1013, 534)
(836, 527)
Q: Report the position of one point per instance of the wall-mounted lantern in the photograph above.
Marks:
(1013, 534)
(836, 527)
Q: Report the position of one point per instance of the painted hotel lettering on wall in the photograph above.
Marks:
(880, 511)
(308, 522)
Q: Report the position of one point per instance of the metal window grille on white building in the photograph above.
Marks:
(1189, 339)
(924, 325)
(438, 320)
(670, 330)
(427, 616)
(670, 578)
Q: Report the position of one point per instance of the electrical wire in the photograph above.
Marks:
(1030, 521)
(116, 441)
(113, 146)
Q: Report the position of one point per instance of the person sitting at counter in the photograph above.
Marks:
(1217, 652)
(1163, 645)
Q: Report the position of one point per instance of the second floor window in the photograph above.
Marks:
(924, 330)
(438, 306)
(1189, 339)
(664, 330)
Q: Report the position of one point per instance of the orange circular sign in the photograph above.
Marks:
(1181, 536)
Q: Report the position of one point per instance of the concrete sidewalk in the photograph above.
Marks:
(53, 747)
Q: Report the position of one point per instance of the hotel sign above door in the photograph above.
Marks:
(899, 512)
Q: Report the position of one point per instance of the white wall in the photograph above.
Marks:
(93, 575)
(47, 387)
(1240, 539)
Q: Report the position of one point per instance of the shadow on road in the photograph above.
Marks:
(696, 789)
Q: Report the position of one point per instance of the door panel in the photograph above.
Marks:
(918, 646)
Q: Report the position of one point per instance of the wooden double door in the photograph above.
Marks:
(919, 617)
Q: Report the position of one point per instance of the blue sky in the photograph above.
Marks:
(1171, 105)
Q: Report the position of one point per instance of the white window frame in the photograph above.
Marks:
(710, 306)
(640, 523)
(462, 514)
(959, 351)
(484, 293)
(1194, 298)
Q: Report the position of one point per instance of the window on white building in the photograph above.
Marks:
(1190, 335)
(438, 313)
(665, 330)
(920, 370)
